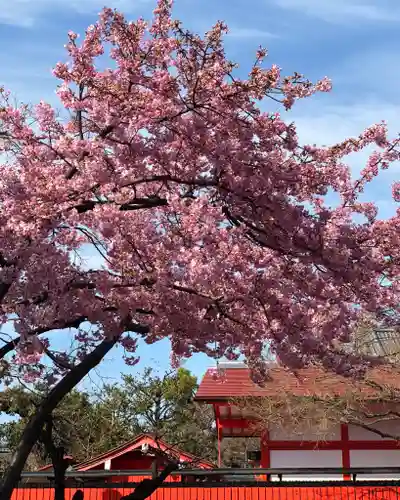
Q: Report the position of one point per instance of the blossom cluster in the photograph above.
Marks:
(209, 214)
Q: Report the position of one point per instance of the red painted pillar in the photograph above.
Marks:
(219, 437)
(265, 452)
(219, 431)
(344, 437)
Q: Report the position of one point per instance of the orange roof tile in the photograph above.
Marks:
(236, 382)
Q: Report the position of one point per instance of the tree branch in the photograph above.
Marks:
(382, 434)
(200, 182)
(57, 325)
(102, 135)
(57, 361)
(134, 204)
(61, 325)
(35, 425)
(148, 486)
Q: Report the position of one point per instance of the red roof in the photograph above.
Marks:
(236, 382)
(136, 443)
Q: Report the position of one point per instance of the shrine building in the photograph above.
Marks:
(348, 446)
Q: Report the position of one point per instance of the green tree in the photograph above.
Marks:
(163, 406)
(87, 424)
(81, 425)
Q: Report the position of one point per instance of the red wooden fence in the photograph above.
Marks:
(388, 491)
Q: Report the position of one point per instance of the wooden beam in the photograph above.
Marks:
(333, 445)
(236, 423)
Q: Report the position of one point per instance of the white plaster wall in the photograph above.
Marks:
(304, 459)
(333, 458)
(277, 433)
(375, 458)
(358, 434)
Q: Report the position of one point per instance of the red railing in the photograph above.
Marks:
(384, 492)
(227, 484)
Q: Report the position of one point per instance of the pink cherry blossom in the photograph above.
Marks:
(208, 214)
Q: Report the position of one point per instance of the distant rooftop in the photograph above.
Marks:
(232, 364)
(241, 364)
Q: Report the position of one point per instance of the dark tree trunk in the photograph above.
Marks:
(34, 427)
(148, 486)
(154, 469)
(57, 455)
(59, 475)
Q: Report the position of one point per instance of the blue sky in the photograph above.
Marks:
(354, 42)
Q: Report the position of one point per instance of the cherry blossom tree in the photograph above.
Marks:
(211, 219)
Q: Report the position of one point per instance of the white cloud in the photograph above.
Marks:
(363, 94)
(26, 12)
(342, 11)
(325, 125)
(329, 124)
